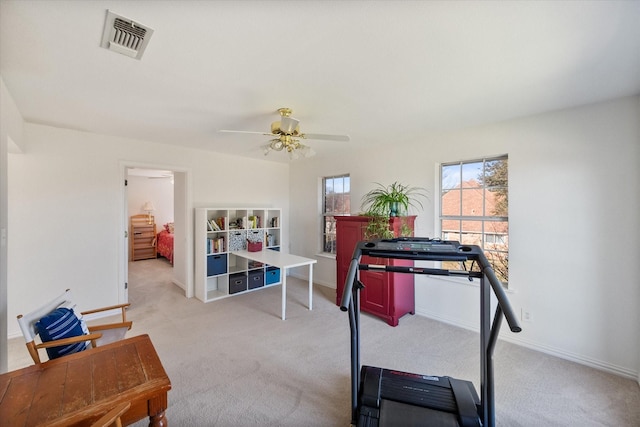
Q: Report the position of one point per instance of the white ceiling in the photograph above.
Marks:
(382, 72)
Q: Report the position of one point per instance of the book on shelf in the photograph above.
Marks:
(213, 225)
(221, 221)
(219, 244)
(254, 221)
(215, 245)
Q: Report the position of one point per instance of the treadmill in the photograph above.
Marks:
(385, 397)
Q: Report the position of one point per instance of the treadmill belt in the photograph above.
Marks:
(434, 392)
(395, 398)
(395, 414)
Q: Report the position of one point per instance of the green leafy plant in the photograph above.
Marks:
(392, 200)
(378, 228)
(384, 202)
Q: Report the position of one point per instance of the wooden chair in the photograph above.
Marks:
(112, 418)
(97, 334)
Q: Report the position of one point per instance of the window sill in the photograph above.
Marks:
(326, 255)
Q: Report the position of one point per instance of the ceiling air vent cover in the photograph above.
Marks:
(125, 36)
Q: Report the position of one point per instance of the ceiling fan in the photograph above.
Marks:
(287, 136)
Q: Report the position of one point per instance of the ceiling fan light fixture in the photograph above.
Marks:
(276, 144)
(306, 151)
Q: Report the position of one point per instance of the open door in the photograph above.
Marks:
(124, 293)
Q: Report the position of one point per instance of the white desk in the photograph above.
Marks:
(283, 262)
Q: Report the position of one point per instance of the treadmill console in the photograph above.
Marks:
(418, 248)
(403, 245)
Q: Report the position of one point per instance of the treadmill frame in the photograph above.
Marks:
(425, 249)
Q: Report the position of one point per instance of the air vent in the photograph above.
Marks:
(125, 36)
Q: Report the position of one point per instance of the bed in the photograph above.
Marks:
(165, 242)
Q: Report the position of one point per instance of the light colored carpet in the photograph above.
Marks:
(234, 362)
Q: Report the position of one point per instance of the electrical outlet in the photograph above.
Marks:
(526, 316)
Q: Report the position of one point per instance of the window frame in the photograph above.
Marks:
(484, 219)
(327, 215)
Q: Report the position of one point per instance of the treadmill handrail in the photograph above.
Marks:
(498, 291)
(487, 270)
(351, 277)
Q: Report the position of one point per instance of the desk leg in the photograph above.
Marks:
(310, 286)
(156, 407)
(284, 292)
(158, 420)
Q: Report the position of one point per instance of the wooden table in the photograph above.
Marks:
(76, 390)
(284, 262)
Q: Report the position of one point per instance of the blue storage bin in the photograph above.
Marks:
(272, 275)
(216, 264)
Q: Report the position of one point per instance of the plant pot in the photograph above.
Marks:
(394, 208)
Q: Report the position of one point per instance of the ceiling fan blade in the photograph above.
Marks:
(324, 137)
(246, 131)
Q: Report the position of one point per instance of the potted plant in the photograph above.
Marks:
(384, 202)
(392, 200)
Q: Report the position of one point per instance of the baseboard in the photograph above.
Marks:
(573, 357)
(553, 351)
(179, 284)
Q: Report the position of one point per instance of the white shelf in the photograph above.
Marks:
(221, 232)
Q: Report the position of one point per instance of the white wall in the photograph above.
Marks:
(10, 141)
(574, 225)
(65, 199)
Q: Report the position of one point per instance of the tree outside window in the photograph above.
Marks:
(336, 200)
(474, 206)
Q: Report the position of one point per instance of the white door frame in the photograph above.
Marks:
(182, 207)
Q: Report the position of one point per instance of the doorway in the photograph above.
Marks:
(150, 197)
(167, 190)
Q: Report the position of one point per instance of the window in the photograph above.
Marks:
(474, 206)
(335, 201)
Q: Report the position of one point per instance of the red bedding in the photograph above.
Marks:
(165, 245)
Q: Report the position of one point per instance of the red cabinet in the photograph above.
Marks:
(386, 295)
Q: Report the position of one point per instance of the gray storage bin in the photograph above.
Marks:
(256, 279)
(237, 283)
